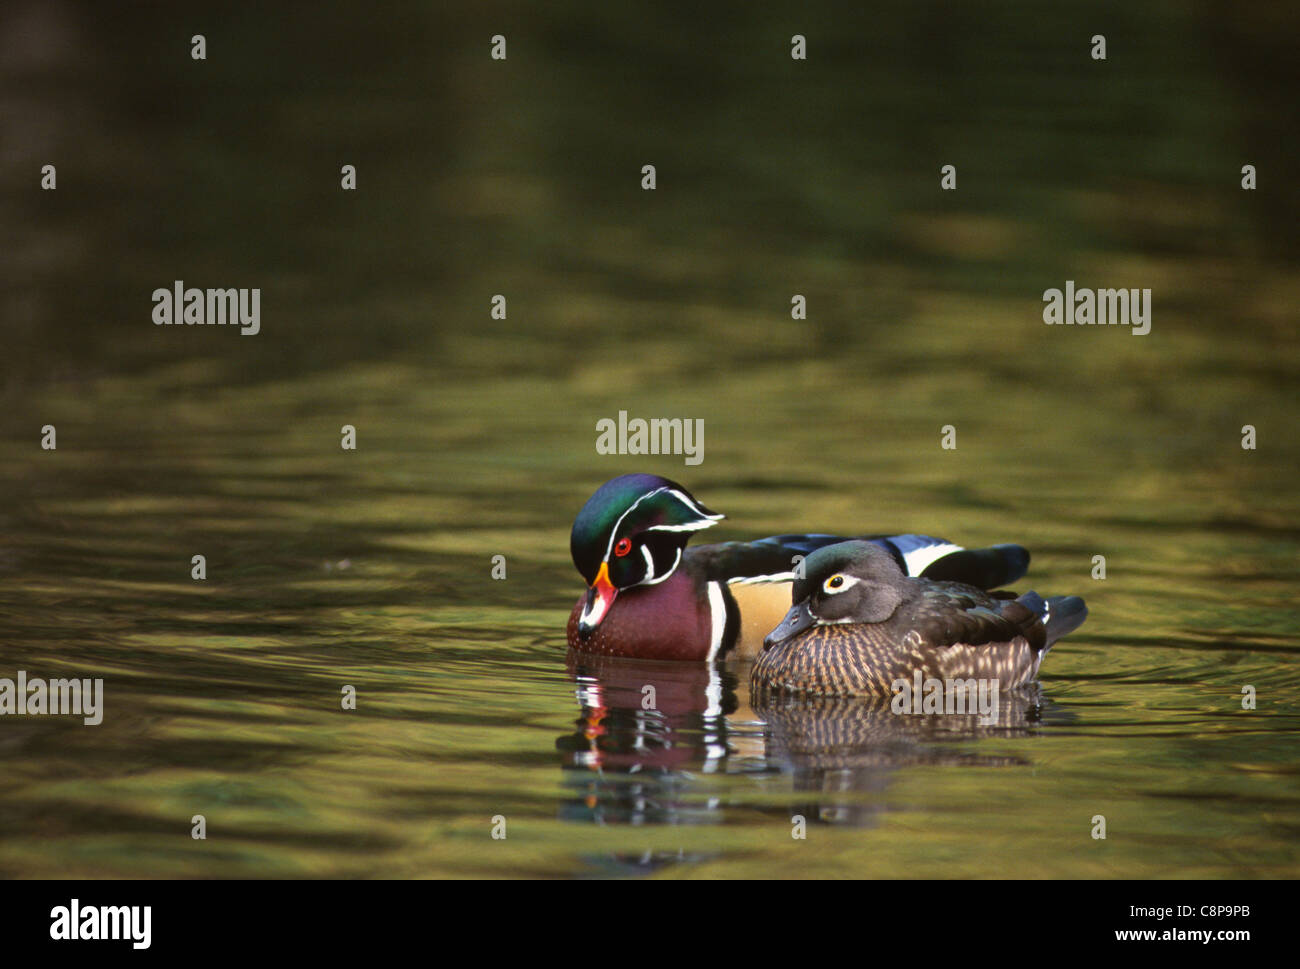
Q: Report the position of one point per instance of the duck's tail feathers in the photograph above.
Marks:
(1061, 615)
(987, 568)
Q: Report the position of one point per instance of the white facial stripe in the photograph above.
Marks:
(686, 500)
(707, 521)
(688, 527)
(649, 580)
(619, 524)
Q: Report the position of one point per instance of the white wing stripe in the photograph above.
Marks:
(919, 559)
(753, 579)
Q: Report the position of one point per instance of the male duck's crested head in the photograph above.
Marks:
(629, 507)
(631, 532)
(851, 582)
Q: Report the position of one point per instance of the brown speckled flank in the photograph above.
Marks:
(864, 659)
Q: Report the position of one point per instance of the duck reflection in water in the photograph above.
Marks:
(648, 728)
(837, 749)
(654, 736)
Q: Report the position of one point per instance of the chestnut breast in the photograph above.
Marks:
(670, 620)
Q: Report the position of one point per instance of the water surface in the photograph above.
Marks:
(371, 568)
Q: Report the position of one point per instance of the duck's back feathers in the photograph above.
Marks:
(772, 558)
(1060, 614)
(986, 568)
(951, 613)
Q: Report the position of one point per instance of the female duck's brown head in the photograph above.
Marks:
(852, 582)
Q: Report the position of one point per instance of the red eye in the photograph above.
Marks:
(622, 547)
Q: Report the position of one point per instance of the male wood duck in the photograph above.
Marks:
(858, 624)
(651, 597)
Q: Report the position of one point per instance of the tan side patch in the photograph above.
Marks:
(762, 607)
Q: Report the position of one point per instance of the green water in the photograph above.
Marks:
(476, 437)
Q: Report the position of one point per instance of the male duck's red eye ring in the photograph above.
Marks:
(622, 547)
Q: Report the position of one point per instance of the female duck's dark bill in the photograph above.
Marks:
(796, 621)
(600, 596)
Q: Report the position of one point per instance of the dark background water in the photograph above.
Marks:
(476, 436)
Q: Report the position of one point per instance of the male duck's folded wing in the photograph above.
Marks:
(773, 559)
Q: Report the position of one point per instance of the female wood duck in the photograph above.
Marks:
(650, 597)
(858, 624)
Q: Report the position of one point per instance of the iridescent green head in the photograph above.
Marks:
(632, 532)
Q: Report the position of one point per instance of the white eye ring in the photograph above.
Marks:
(846, 582)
